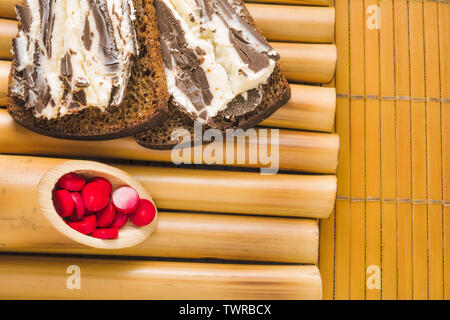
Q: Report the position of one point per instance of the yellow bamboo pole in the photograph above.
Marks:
(434, 147)
(404, 284)
(296, 2)
(444, 52)
(300, 151)
(7, 8)
(204, 190)
(8, 30)
(314, 63)
(357, 155)
(373, 157)
(388, 158)
(178, 235)
(294, 23)
(341, 270)
(310, 108)
(4, 75)
(58, 278)
(419, 151)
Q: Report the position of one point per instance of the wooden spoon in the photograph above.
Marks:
(129, 234)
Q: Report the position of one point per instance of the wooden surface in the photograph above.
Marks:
(291, 195)
(319, 151)
(178, 235)
(208, 211)
(389, 237)
(49, 278)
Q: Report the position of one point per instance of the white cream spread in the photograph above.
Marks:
(74, 33)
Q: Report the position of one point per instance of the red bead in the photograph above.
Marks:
(119, 221)
(106, 216)
(63, 202)
(106, 233)
(95, 196)
(71, 182)
(105, 181)
(79, 212)
(85, 226)
(125, 199)
(144, 214)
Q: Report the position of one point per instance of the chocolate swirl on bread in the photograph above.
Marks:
(89, 69)
(255, 83)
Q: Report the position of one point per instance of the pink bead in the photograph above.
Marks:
(125, 199)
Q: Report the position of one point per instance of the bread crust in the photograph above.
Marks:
(145, 104)
(271, 102)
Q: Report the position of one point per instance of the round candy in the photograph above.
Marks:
(95, 196)
(63, 202)
(71, 182)
(125, 199)
(106, 216)
(79, 212)
(119, 220)
(106, 233)
(105, 181)
(144, 214)
(85, 226)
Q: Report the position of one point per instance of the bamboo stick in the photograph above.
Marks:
(296, 2)
(278, 22)
(51, 278)
(8, 30)
(314, 63)
(4, 76)
(389, 253)
(7, 8)
(300, 151)
(373, 127)
(178, 235)
(294, 23)
(434, 147)
(341, 275)
(310, 108)
(403, 286)
(419, 150)
(444, 54)
(204, 190)
(358, 151)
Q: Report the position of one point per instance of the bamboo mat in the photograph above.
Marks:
(389, 237)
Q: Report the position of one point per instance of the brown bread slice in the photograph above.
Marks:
(144, 106)
(275, 94)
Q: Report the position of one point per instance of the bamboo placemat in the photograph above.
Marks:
(389, 237)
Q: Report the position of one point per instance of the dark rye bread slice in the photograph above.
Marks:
(276, 92)
(144, 105)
